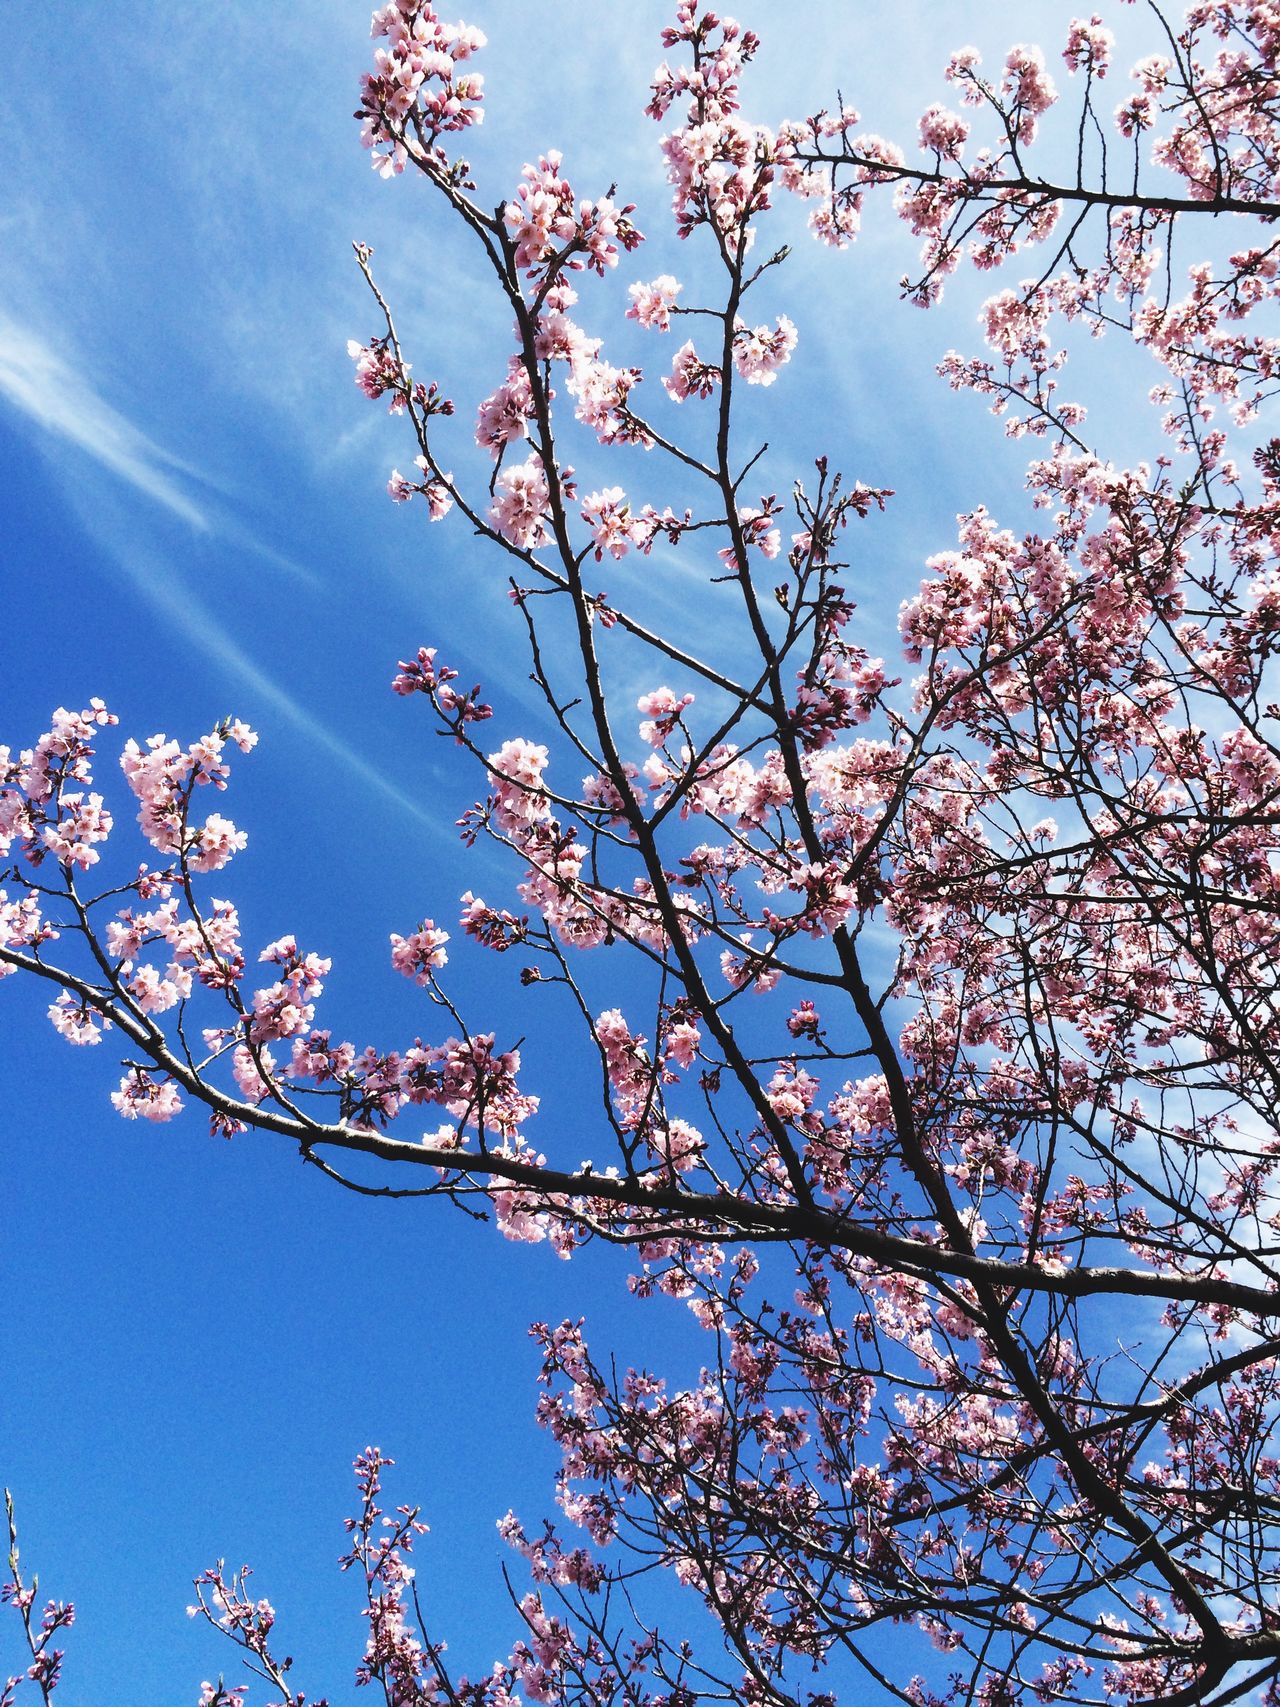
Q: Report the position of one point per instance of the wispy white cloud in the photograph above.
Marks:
(171, 594)
(42, 384)
(49, 390)
(186, 613)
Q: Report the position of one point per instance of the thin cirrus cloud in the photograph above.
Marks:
(191, 619)
(49, 390)
(44, 387)
(38, 381)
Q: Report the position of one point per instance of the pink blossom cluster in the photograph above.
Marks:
(751, 968)
(943, 132)
(519, 510)
(721, 168)
(471, 1080)
(601, 394)
(424, 675)
(421, 954)
(492, 927)
(1030, 88)
(38, 810)
(285, 1008)
(43, 1661)
(157, 953)
(557, 336)
(631, 1073)
(758, 353)
(379, 370)
(520, 795)
(651, 304)
(613, 526)
(163, 778)
(662, 710)
(1089, 46)
(504, 416)
(142, 1097)
(416, 91)
(76, 1020)
(548, 224)
(755, 527)
(690, 376)
(435, 489)
(206, 945)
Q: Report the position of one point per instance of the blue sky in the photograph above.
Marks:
(199, 1336)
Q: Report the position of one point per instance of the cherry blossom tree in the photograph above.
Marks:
(938, 1024)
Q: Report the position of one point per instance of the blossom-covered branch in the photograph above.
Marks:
(949, 1007)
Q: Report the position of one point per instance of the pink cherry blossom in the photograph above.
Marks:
(520, 504)
(76, 1021)
(930, 1008)
(515, 773)
(662, 710)
(690, 376)
(142, 1097)
(759, 353)
(421, 954)
(651, 304)
(613, 526)
(1089, 46)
